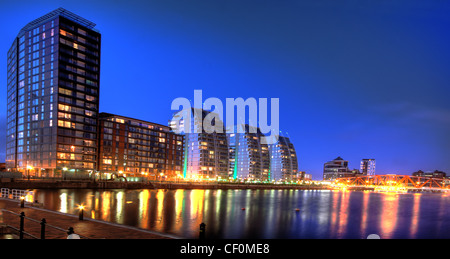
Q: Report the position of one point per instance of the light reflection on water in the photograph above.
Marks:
(267, 214)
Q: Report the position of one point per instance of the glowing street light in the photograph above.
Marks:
(80, 215)
(29, 167)
(22, 201)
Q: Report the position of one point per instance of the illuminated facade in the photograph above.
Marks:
(283, 160)
(368, 167)
(336, 168)
(52, 96)
(249, 158)
(136, 148)
(205, 154)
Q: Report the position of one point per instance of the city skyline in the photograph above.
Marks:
(404, 131)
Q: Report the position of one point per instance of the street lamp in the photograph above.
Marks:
(22, 201)
(64, 172)
(28, 171)
(80, 215)
(160, 179)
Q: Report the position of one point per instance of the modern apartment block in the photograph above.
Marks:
(205, 154)
(249, 158)
(136, 148)
(368, 166)
(338, 168)
(283, 160)
(53, 95)
(335, 169)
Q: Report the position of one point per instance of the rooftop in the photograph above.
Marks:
(58, 12)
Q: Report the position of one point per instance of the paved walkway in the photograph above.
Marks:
(87, 228)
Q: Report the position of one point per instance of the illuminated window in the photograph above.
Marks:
(63, 107)
(107, 161)
(66, 124)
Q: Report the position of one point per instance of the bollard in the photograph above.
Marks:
(43, 221)
(22, 202)
(22, 218)
(202, 231)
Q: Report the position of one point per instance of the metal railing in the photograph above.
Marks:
(21, 230)
(16, 194)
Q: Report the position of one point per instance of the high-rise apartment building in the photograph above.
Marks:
(283, 160)
(249, 158)
(53, 95)
(368, 166)
(205, 154)
(136, 148)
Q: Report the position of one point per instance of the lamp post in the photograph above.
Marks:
(161, 176)
(80, 215)
(28, 171)
(22, 201)
(64, 172)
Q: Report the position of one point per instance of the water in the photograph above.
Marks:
(268, 214)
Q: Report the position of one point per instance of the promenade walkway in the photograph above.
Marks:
(86, 228)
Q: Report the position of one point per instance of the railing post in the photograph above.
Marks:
(43, 221)
(22, 218)
(202, 231)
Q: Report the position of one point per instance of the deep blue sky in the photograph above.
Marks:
(356, 79)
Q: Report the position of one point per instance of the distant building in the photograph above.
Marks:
(249, 158)
(368, 167)
(283, 160)
(336, 168)
(303, 176)
(435, 174)
(137, 148)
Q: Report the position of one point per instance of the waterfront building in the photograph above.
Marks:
(205, 154)
(336, 168)
(136, 148)
(303, 176)
(53, 79)
(367, 167)
(434, 174)
(283, 160)
(249, 158)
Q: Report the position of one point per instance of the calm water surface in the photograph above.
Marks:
(268, 214)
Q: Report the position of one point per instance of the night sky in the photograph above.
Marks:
(356, 79)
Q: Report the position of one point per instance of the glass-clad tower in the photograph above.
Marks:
(368, 166)
(249, 158)
(205, 154)
(53, 96)
(283, 160)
